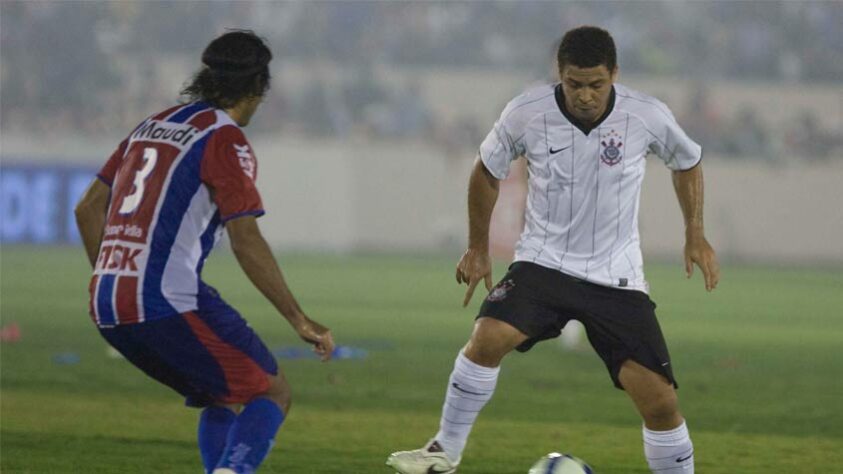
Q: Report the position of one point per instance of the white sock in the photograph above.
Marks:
(669, 452)
(469, 388)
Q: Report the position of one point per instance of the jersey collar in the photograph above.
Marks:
(585, 129)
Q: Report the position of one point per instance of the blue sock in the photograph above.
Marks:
(251, 436)
(214, 424)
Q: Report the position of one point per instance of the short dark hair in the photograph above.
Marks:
(587, 46)
(235, 66)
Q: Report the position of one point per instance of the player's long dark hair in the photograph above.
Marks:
(235, 66)
(587, 46)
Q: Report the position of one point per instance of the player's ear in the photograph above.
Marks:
(614, 73)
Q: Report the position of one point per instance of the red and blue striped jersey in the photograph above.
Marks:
(175, 181)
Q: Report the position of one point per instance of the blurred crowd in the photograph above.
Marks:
(82, 66)
(747, 135)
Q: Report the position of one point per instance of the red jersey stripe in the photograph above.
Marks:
(204, 119)
(127, 300)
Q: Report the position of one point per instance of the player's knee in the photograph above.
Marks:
(487, 355)
(491, 341)
(280, 392)
(661, 410)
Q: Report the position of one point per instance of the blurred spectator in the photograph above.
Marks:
(806, 139)
(80, 67)
(702, 121)
(312, 110)
(747, 136)
(406, 115)
(53, 64)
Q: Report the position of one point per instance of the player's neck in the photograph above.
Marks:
(237, 114)
(242, 111)
(577, 122)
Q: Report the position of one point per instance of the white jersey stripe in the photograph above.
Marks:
(618, 218)
(596, 207)
(571, 199)
(546, 193)
(95, 302)
(180, 283)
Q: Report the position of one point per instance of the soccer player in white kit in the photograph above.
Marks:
(585, 140)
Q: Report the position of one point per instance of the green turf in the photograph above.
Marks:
(758, 361)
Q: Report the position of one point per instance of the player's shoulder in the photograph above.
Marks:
(533, 101)
(644, 106)
(197, 115)
(228, 142)
(226, 129)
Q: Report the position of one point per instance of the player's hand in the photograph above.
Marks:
(698, 251)
(473, 267)
(317, 335)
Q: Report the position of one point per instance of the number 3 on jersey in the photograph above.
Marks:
(131, 202)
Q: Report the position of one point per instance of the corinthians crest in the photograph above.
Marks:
(499, 292)
(611, 153)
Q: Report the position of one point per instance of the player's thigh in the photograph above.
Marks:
(248, 368)
(519, 311)
(621, 325)
(140, 345)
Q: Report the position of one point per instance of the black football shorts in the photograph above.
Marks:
(620, 324)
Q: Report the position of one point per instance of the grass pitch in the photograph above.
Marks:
(758, 363)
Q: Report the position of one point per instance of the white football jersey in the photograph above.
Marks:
(584, 185)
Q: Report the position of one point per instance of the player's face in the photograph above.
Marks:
(587, 90)
(248, 109)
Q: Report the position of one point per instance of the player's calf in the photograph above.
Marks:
(214, 425)
(252, 433)
(667, 444)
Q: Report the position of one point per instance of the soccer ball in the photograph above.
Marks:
(555, 463)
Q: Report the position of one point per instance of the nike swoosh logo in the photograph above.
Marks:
(456, 386)
(431, 470)
(553, 152)
(685, 458)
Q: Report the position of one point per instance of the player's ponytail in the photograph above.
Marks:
(235, 66)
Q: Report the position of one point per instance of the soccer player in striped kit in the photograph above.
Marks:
(585, 140)
(149, 221)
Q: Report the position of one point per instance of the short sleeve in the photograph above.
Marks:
(229, 168)
(109, 170)
(673, 145)
(499, 150)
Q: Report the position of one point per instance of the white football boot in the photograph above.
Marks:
(430, 459)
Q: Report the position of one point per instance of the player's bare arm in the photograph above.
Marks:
(689, 191)
(475, 264)
(90, 217)
(257, 261)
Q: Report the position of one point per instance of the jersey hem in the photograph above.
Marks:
(256, 213)
(146, 319)
(642, 288)
(104, 181)
(491, 172)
